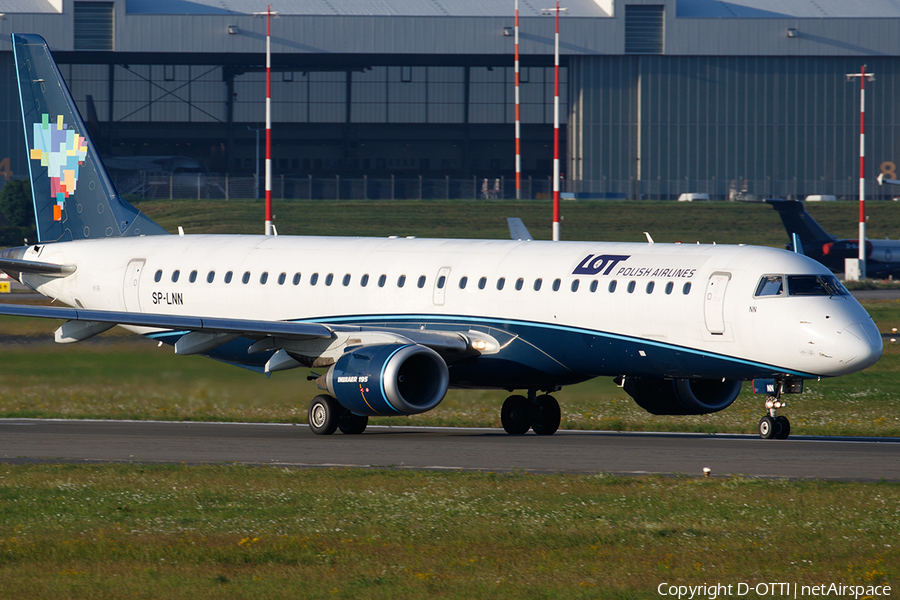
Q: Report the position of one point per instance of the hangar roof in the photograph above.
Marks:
(779, 9)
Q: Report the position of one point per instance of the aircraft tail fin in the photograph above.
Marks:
(74, 198)
(798, 222)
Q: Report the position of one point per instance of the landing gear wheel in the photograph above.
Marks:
(516, 415)
(545, 416)
(352, 424)
(324, 414)
(782, 428)
(767, 428)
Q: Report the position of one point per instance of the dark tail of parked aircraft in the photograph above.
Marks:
(74, 198)
(799, 222)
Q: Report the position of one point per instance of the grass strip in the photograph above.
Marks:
(125, 531)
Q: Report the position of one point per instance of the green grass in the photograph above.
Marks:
(122, 376)
(598, 220)
(128, 531)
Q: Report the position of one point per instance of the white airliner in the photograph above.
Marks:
(392, 323)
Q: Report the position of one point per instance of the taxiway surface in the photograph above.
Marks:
(25, 440)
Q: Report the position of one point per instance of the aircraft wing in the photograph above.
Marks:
(212, 325)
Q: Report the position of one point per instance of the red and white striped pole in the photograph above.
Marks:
(518, 131)
(863, 76)
(555, 121)
(269, 120)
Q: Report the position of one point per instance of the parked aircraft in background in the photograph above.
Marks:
(882, 256)
(392, 323)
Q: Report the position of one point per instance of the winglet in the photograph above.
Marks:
(517, 229)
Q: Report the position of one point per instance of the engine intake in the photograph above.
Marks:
(682, 396)
(389, 379)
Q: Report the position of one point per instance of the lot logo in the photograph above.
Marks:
(62, 151)
(592, 265)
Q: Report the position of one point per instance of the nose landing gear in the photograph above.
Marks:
(774, 425)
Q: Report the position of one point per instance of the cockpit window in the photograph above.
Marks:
(770, 285)
(815, 285)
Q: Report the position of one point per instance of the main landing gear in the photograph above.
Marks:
(326, 416)
(538, 413)
(772, 425)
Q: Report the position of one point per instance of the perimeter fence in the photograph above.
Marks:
(204, 186)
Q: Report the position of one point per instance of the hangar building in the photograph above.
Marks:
(659, 97)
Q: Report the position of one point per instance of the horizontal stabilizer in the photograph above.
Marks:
(15, 265)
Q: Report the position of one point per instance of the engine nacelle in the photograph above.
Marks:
(389, 379)
(682, 396)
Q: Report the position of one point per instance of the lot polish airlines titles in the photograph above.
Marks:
(605, 263)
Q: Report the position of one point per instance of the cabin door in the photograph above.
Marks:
(714, 302)
(132, 282)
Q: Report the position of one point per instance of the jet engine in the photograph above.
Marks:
(682, 396)
(389, 379)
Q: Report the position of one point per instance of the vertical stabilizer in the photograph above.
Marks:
(74, 198)
(797, 221)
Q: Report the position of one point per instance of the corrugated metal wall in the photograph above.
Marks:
(787, 125)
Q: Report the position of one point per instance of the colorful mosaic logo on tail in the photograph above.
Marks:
(62, 151)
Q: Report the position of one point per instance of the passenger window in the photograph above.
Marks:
(401, 281)
(346, 281)
(421, 283)
(264, 277)
(650, 286)
(462, 282)
(593, 286)
(537, 284)
(246, 277)
(382, 280)
(686, 289)
(575, 286)
(296, 280)
(329, 278)
(281, 278)
(193, 276)
(612, 286)
(314, 279)
(441, 281)
(210, 277)
(669, 287)
(519, 283)
(481, 283)
(501, 282)
(364, 280)
(228, 276)
(158, 276)
(770, 285)
(175, 275)
(556, 283)
(631, 285)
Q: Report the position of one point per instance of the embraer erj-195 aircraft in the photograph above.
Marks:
(393, 323)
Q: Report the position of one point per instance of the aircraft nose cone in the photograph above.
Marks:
(860, 347)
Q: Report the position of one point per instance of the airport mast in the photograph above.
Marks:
(518, 130)
(555, 119)
(863, 76)
(269, 229)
